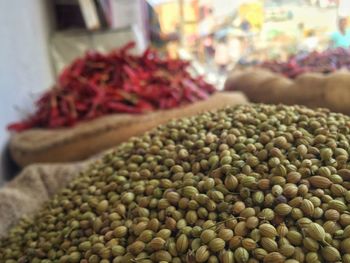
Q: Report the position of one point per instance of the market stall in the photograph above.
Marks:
(184, 131)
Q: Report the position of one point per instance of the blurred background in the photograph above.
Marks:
(40, 38)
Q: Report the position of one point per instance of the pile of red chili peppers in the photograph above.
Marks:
(323, 62)
(118, 82)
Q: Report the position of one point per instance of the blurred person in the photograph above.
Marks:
(234, 46)
(206, 37)
(245, 25)
(310, 42)
(300, 31)
(207, 23)
(221, 56)
(341, 38)
(208, 45)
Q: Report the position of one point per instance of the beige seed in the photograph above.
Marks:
(207, 235)
(283, 209)
(330, 253)
(157, 243)
(316, 232)
(225, 234)
(249, 244)
(268, 230)
(216, 244)
(202, 254)
(241, 255)
(307, 207)
(269, 244)
(320, 182)
(182, 244)
(274, 257)
(136, 248)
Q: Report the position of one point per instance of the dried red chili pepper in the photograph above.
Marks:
(323, 62)
(118, 82)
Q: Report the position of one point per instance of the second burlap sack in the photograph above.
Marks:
(88, 138)
(259, 85)
(310, 89)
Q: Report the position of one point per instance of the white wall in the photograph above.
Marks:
(24, 58)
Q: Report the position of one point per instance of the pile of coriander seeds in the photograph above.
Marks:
(251, 183)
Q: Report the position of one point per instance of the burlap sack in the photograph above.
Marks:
(31, 188)
(249, 82)
(85, 139)
(337, 92)
(273, 90)
(308, 89)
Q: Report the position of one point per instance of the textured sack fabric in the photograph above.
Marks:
(249, 81)
(31, 188)
(34, 185)
(88, 138)
(337, 91)
(310, 89)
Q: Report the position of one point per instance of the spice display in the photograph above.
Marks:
(252, 183)
(323, 62)
(118, 82)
